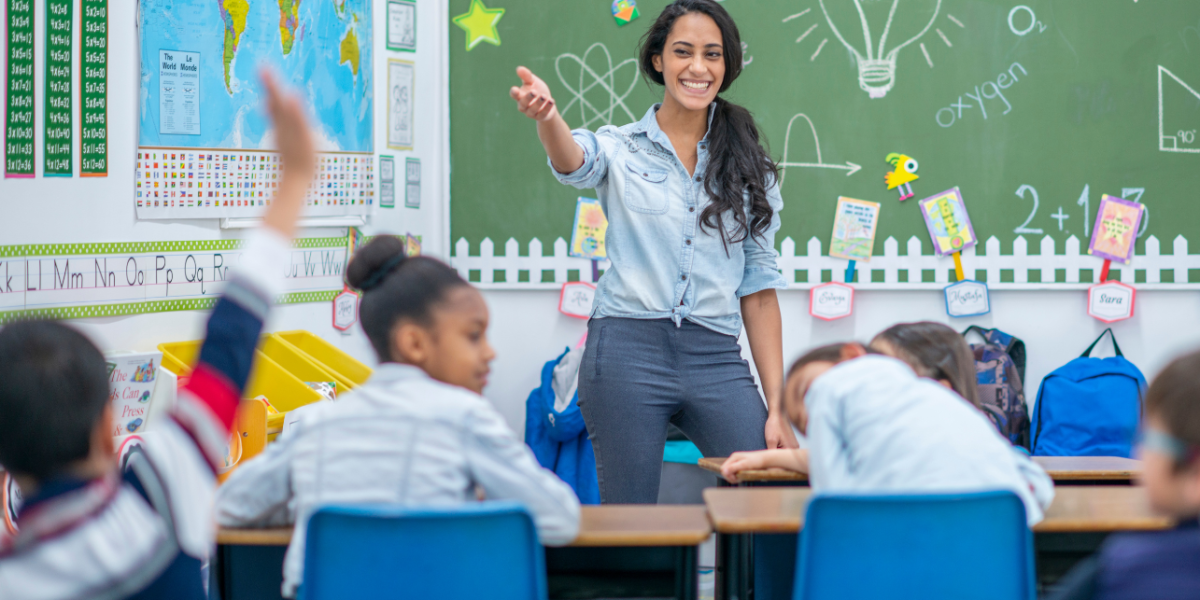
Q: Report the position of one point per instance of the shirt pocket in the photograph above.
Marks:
(646, 190)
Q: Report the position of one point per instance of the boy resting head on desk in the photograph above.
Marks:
(417, 433)
(874, 426)
(1163, 565)
(87, 530)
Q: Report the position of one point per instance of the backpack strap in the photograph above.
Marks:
(983, 333)
(1087, 353)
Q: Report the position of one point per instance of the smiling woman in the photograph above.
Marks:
(692, 201)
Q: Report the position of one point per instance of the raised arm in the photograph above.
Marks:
(534, 101)
(208, 403)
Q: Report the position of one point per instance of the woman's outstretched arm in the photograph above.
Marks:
(533, 99)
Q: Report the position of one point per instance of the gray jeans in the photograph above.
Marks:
(638, 375)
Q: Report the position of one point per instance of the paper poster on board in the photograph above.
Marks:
(947, 221)
(854, 224)
(1115, 232)
(587, 236)
(131, 380)
(400, 105)
(402, 25)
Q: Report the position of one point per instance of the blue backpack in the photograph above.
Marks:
(1089, 406)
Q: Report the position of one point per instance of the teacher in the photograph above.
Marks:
(693, 206)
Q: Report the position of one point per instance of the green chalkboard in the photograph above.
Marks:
(1078, 98)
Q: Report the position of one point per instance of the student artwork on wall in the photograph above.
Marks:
(387, 182)
(400, 104)
(587, 236)
(947, 221)
(402, 25)
(575, 299)
(131, 380)
(1111, 301)
(345, 310)
(205, 144)
(854, 229)
(1116, 228)
(830, 301)
(412, 182)
(967, 298)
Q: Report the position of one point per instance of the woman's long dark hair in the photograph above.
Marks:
(738, 166)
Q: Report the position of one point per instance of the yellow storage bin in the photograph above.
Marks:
(327, 356)
(268, 378)
(298, 363)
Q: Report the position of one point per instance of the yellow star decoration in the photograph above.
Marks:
(480, 24)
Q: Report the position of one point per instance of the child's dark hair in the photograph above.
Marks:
(831, 353)
(396, 287)
(739, 167)
(935, 351)
(1172, 399)
(53, 391)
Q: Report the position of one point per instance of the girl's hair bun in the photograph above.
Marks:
(372, 263)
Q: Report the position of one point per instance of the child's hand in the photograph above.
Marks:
(295, 142)
(292, 134)
(743, 461)
(533, 97)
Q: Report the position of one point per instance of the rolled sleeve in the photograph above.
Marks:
(595, 162)
(762, 262)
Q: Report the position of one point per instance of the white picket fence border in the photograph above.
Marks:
(891, 262)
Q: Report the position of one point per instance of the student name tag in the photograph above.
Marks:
(1111, 301)
(345, 310)
(967, 298)
(576, 299)
(831, 301)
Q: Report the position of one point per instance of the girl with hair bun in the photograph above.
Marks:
(692, 200)
(417, 433)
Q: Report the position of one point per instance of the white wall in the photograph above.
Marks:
(74, 210)
(527, 331)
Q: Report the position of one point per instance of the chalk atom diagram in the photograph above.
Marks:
(590, 79)
(1182, 136)
(849, 167)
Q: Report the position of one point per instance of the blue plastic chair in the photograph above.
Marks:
(931, 547)
(468, 552)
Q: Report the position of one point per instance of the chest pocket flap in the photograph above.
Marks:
(646, 189)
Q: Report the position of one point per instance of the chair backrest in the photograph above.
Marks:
(468, 552)
(932, 547)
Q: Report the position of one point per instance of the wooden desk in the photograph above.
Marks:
(736, 512)
(621, 551)
(1064, 470)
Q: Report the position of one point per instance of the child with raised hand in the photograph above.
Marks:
(87, 530)
(874, 425)
(1163, 565)
(417, 433)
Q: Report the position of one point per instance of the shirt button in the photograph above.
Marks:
(691, 209)
(697, 178)
(689, 242)
(645, 174)
(683, 277)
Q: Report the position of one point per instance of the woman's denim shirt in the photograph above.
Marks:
(663, 264)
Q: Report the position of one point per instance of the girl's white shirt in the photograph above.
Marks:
(402, 438)
(875, 427)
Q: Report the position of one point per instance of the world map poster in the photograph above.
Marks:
(206, 145)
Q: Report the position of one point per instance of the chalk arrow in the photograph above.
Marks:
(849, 167)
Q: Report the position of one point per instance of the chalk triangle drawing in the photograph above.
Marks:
(1172, 143)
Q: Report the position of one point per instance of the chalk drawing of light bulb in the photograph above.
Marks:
(876, 61)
